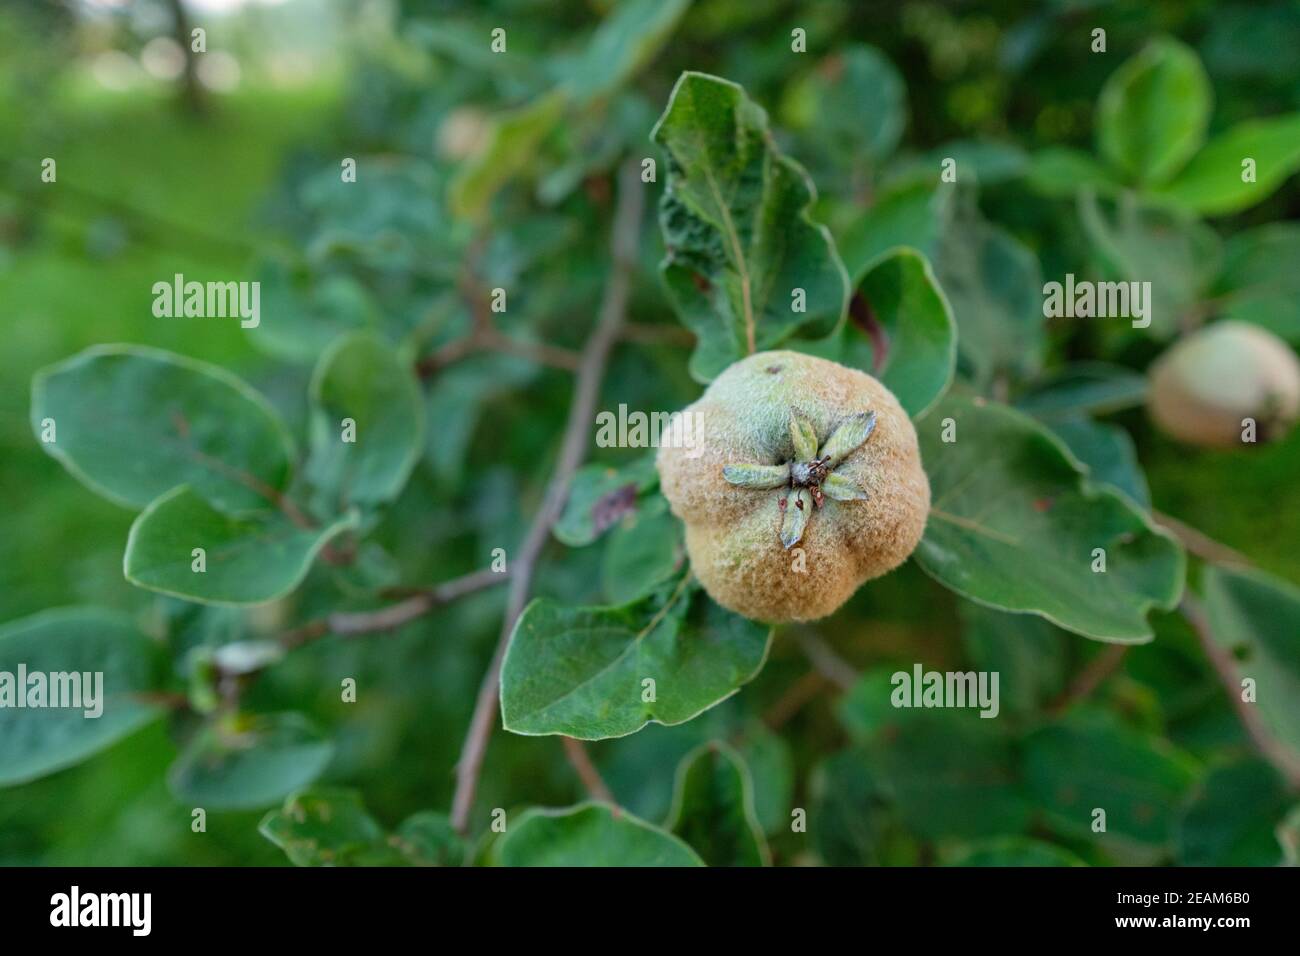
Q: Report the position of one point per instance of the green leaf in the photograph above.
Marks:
(1233, 815)
(1084, 388)
(853, 104)
(624, 43)
(1260, 282)
(713, 808)
(590, 835)
(907, 313)
(242, 762)
(949, 773)
(1176, 255)
(1013, 851)
(994, 286)
(325, 826)
(1014, 523)
(1108, 452)
(247, 560)
(1257, 618)
(771, 766)
(428, 839)
(456, 402)
(362, 379)
(584, 671)
(600, 496)
(850, 817)
(1060, 172)
(303, 314)
(1153, 111)
(133, 422)
(911, 215)
(1091, 762)
(1028, 653)
(71, 641)
(512, 142)
(735, 221)
(1212, 185)
(644, 549)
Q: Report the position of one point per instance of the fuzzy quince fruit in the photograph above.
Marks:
(1206, 386)
(804, 480)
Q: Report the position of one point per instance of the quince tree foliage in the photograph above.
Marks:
(397, 545)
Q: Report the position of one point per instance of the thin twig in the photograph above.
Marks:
(803, 691)
(828, 663)
(1201, 544)
(626, 234)
(393, 616)
(587, 772)
(1270, 748)
(1090, 678)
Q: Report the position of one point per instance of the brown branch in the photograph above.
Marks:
(1090, 678)
(587, 772)
(803, 691)
(1283, 759)
(626, 234)
(1201, 544)
(828, 663)
(393, 616)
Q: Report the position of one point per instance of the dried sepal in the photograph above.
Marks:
(842, 489)
(804, 437)
(757, 476)
(795, 519)
(848, 437)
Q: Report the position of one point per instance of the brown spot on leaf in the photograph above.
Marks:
(1042, 504)
(701, 283)
(612, 506)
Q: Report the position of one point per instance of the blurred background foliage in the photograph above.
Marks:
(223, 169)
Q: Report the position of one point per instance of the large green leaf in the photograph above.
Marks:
(247, 560)
(590, 835)
(1059, 171)
(901, 331)
(302, 314)
(713, 808)
(35, 741)
(133, 422)
(240, 762)
(1257, 618)
(1090, 762)
(627, 40)
(1014, 524)
(1109, 454)
(1259, 282)
(914, 215)
(362, 379)
(1153, 111)
(735, 221)
(1233, 815)
(596, 672)
(994, 285)
(1212, 185)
